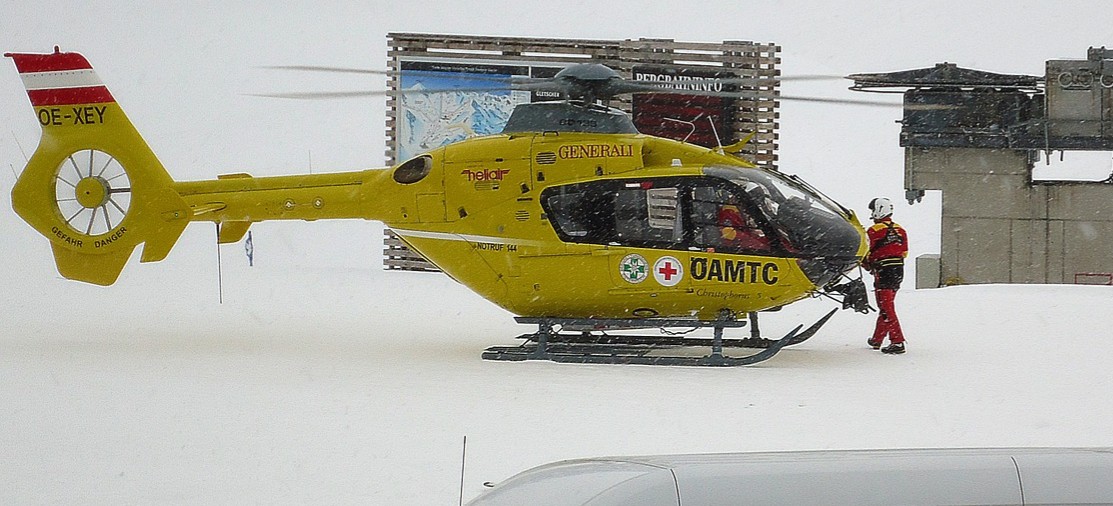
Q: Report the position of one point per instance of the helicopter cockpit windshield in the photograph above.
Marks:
(811, 224)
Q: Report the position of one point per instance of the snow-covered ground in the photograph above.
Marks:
(349, 384)
(323, 379)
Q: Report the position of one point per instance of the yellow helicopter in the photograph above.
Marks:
(569, 218)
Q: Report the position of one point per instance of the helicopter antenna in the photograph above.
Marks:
(689, 123)
(219, 277)
(715, 132)
(463, 460)
(20, 146)
(21, 151)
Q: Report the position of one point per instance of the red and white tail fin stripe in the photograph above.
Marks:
(60, 79)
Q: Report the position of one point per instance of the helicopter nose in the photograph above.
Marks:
(822, 271)
(827, 248)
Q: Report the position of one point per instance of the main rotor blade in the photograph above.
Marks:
(526, 80)
(328, 95)
(456, 76)
(811, 77)
(322, 68)
(866, 103)
(325, 95)
(749, 95)
(320, 95)
(745, 79)
(627, 87)
(354, 70)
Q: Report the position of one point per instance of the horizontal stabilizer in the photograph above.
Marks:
(232, 231)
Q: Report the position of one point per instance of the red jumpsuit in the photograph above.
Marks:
(739, 231)
(888, 248)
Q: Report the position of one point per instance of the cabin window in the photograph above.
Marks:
(647, 216)
(635, 213)
(581, 214)
(677, 213)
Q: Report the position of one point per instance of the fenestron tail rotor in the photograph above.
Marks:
(92, 192)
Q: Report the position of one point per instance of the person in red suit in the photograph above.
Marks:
(888, 249)
(740, 231)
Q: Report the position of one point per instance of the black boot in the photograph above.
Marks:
(893, 349)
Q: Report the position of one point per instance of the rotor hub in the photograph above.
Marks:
(92, 192)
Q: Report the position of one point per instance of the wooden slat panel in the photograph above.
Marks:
(397, 256)
(743, 58)
(408, 265)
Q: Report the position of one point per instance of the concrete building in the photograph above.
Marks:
(977, 136)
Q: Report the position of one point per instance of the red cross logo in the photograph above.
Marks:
(668, 271)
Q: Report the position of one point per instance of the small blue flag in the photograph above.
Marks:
(249, 249)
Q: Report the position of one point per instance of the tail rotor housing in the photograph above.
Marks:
(93, 186)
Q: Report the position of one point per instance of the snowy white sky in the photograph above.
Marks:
(310, 384)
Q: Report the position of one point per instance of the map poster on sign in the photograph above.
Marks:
(481, 105)
(430, 120)
(686, 117)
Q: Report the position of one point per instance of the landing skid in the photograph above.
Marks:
(575, 342)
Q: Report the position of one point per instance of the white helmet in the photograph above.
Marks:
(881, 208)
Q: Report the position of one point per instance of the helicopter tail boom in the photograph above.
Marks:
(93, 187)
